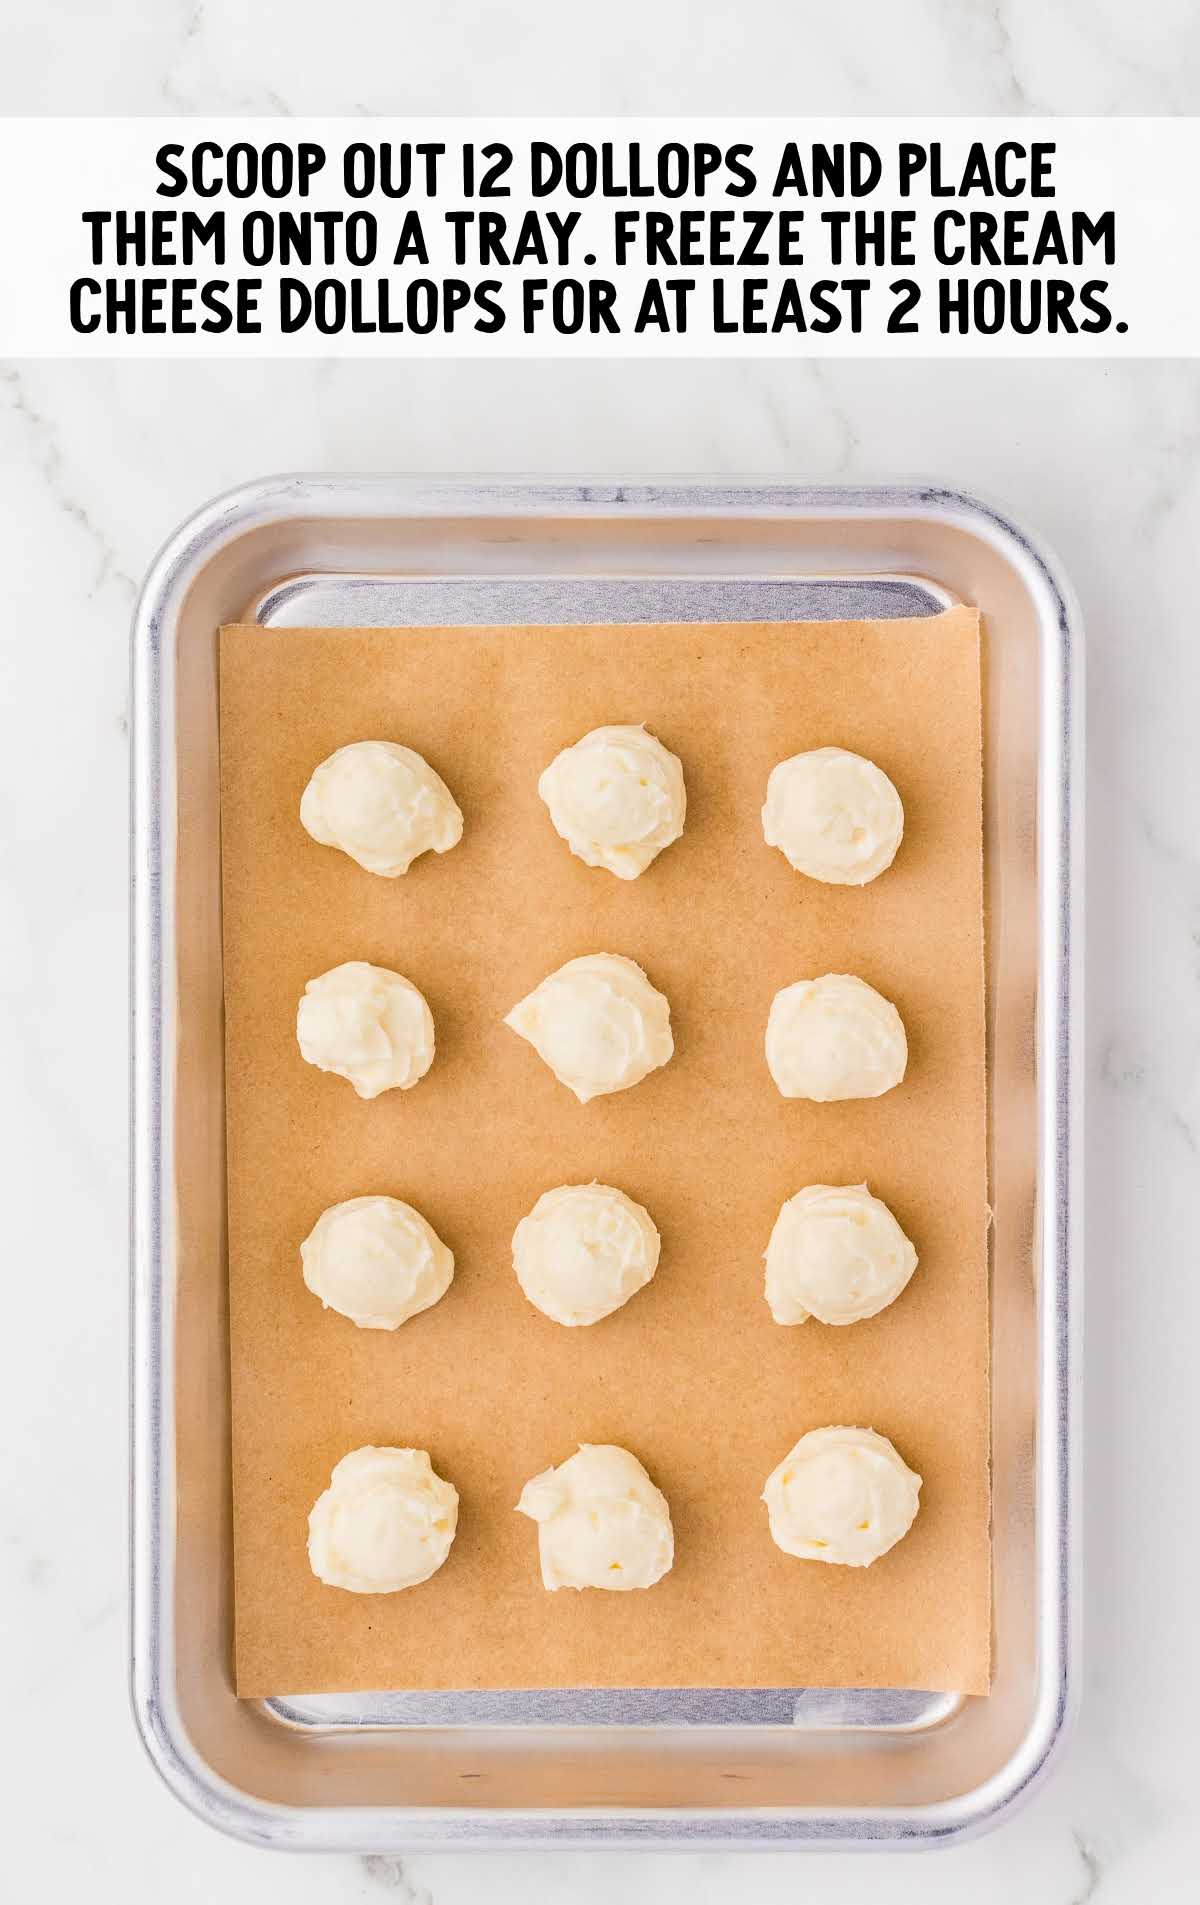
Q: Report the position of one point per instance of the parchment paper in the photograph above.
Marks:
(692, 1375)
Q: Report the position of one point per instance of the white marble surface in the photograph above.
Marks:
(98, 462)
(669, 56)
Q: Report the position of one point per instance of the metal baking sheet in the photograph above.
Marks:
(787, 1766)
(363, 601)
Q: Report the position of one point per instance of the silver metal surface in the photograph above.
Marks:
(789, 1767)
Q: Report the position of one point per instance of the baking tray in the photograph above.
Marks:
(787, 1767)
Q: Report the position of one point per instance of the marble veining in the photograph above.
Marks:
(767, 56)
(392, 1875)
(97, 464)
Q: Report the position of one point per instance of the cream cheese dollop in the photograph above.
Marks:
(583, 1251)
(368, 1025)
(385, 1522)
(601, 1521)
(597, 1023)
(834, 816)
(834, 1037)
(617, 798)
(841, 1495)
(377, 1261)
(836, 1253)
(382, 804)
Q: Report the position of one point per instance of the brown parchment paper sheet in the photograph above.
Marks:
(692, 1375)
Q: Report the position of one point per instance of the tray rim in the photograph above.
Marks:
(1060, 874)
